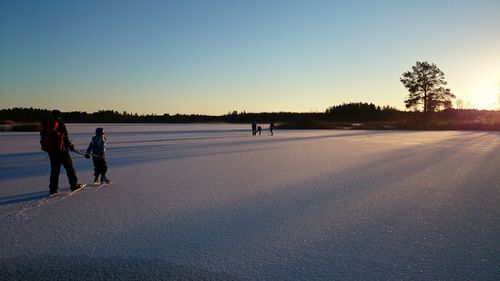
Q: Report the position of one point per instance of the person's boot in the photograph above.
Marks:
(104, 179)
(77, 186)
(54, 193)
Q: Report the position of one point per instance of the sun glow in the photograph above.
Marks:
(487, 96)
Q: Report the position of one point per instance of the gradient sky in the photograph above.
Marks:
(212, 57)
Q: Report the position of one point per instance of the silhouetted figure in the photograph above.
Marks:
(259, 129)
(254, 128)
(54, 140)
(271, 127)
(98, 148)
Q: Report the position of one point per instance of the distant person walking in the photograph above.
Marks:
(254, 128)
(98, 148)
(271, 128)
(55, 141)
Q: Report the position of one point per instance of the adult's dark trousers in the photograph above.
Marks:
(100, 167)
(57, 159)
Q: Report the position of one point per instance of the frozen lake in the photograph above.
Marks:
(191, 202)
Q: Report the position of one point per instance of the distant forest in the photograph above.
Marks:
(350, 115)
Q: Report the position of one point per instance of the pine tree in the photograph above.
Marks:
(426, 86)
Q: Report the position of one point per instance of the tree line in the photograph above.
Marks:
(33, 115)
(344, 113)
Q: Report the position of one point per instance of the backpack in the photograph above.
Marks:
(50, 138)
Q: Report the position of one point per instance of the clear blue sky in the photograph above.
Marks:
(211, 56)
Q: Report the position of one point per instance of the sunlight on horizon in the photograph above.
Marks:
(487, 95)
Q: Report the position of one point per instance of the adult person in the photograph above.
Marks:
(271, 128)
(254, 128)
(55, 141)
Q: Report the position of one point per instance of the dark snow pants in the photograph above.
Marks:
(57, 159)
(100, 167)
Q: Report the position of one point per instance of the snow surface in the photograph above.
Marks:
(193, 202)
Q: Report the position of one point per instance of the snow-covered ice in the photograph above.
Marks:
(193, 202)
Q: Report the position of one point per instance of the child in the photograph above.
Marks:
(259, 129)
(98, 147)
